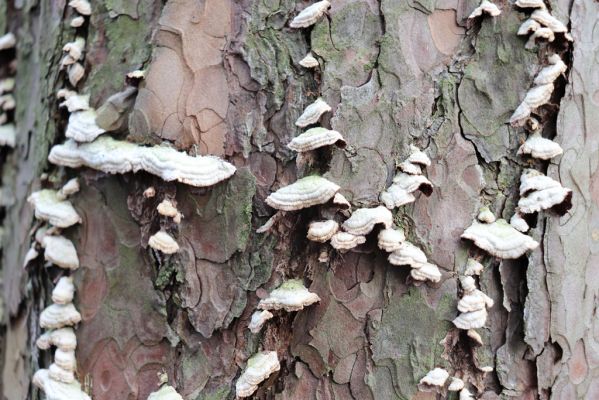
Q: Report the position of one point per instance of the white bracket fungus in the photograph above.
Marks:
(466, 395)
(74, 52)
(292, 295)
(530, 4)
(341, 202)
(69, 188)
(81, 6)
(55, 390)
(310, 15)
(49, 206)
(8, 41)
(419, 157)
(7, 85)
(57, 316)
(8, 135)
(77, 22)
(65, 359)
(485, 7)
(82, 126)
(168, 209)
(455, 385)
(63, 338)
(321, 231)
(407, 254)
(400, 192)
(303, 193)
(259, 318)
(75, 73)
(166, 392)
(435, 377)
(543, 17)
(499, 239)
(551, 72)
(312, 113)
(309, 61)
(314, 138)
(528, 26)
(426, 272)
(118, 157)
(473, 267)
(539, 33)
(485, 215)
(471, 320)
(163, 242)
(473, 299)
(60, 374)
(535, 97)
(519, 223)
(137, 74)
(539, 192)
(61, 252)
(539, 147)
(30, 255)
(391, 239)
(363, 220)
(63, 291)
(346, 241)
(259, 367)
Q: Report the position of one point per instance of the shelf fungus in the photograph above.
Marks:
(166, 392)
(56, 390)
(530, 4)
(390, 239)
(466, 395)
(60, 251)
(8, 41)
(455, 384)
(118, 157)
(303, 193)
(346, 241)
(74, 52)
(543, 17)
(473, 267)
(163, 242)
(65, 359)
(310, 15)
(426, 272)
(551, 72)
(312, 113)
(75, 73)
(49, 206)
(8, 135)
(77, 22)
(64, 291)
(539, 192)
(71, 187)
(63, 338)
(363, 220)
(258, 319)
(407, 254)
(322, 231)
(536, 97)
(168, 209)
(499, 239)
(435, 377)
(419, 157)
(57, 316)
(473, 299)
(314, 138)
(538, 147)
(400, 191)
(60, 374)
(485, 7)
(82, 126)
(471, 320)
(258, 369)
(309, 61)
(292, 295)
(527, 27)
(519, 223)
(485, 215)
(81, 6)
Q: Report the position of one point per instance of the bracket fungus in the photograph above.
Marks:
(64, 291)
(60, 374)
(81, 6)
(8, 41)
(455, 385)
(363, 220)
(312, 113)
(77, 22)
(499, 239)
(543, 17)
(292, 295)
(528, 26)
(55, 390)
(407, 254)
(163, 242)
(259, 367)
(71, 187)
(63, 338)
(310, 15)
(530, 4)
(49, 206)
(309, 61)
(166, 392)
(473, 267)
(65, 359)
(74, 51)
(535, 97)
(485, 215)
(75, 72)
(346, 241)
(426, 272)
(466, 395)
(519, 223)
(60, 251)
(8, 135)
(539, 147)
(390, 239)
(471, 320)
(551, 72)
(258, 319)
(473, 299)
(539, 192)
(400, 191)
(435, 377)
(168, 209)
(82, 126)
(118, 157)
(322, 231)
(57, 316)
(419, 157)
(314, 138)
(303, 193)
(485, 7)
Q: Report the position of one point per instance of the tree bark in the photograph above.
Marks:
(223, 78)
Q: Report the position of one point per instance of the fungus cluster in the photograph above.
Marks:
(472, 306)
(7, 100)
(541, 24)
(485, 7)
(439, 378)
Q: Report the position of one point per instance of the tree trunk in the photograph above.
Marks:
(223, 78)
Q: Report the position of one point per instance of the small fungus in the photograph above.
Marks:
(417, 156)
(166, 392)
(75, 102)
(410, 168)
(8, 135)
(55, 390)
(50, 207)
(539, 147)
(137, 74)
(407, 254)
(81, 6)
(346, 241)
(363, 220)
(7, 85)
(471, 320)
(163, 242)
(528, 26)
(540, 33)
(312, 113)
(74, 51)
(60, 251)
(8, 41)
(340, 201)
(536, 97)
(455, 385)
(63, 291)
(435, 377)
(400, 192)
(69, 188)
(314, 138)
(77, 22)
(426, 272)
(551, 72)
(57, 316)
(485, 215)
(258, 320)
(485, 7)
(149, 192)
(391, 239)
(473, 267)
(530, 4)
(168, 209)
(7, 102)
(75, 73)
(303, 193)
(82, 126)
(65, 359)
(543, 17)
(292, 295)
(60, 374)
(309, 61)
(31, 255)
(310, 15)
(63, 338)
(259, 367)
(499, 239)
(519, 223)
(322, 231)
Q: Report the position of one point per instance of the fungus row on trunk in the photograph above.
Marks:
(7, 101)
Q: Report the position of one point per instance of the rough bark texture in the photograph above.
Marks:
(223, 78)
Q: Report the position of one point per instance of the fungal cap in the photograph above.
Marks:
(76, 102)
(312, 113)
(149, 192)
(539, 147)
(8, 41)
(60, 374)
(472, 334)
(474, 301)
(435, 377)
(485, 7)
(340, 201)
(468, 283)
(63, 291)
(346, 241)
(551, 72)
(410, 168)
(56, 390)
(499, 239)
(391, 239)
(81, 6)
(71, 187)
(63, 338)
(363, 220)
(303, 193)
(395, 196)
(538, 95)
(471, 320)
(77, 22)
(82, 126)
(408, 254)
(466, 395)
(168, 209)
(309, 61)
(166, 392)
(112, 156)
(163, 242)
(259, 367)
(74, 50)
(485, 215)
(543, 17)
(411, 183)
(557, 199)
(292, 295)
(321, 231)
(50, 207)
(75, 73)
(455, 384)
(520, 115)
(314, 138)
(7, 85)
(258, 320)
(8, 135)
(310, 15)
(57, 316)
(61, 252)
(65, 359)
(530, 4)
(473, 267)
(30, 256)
(540, 33)
(426, 272)
(528, 26)
(519, 223)
(137, 74)
(532, 180)
(417, 156)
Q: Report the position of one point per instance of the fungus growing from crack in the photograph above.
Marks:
(168, 209)
(519, 223)
(61, 252)
(419, 157)
(466, 395)
(60, 374)
(31, 255)
(137, 74)
(82, 126)
(258, 368)
(65, 359)
(314, 138)
(455, 384)
(166, 392)
(543, 17)
(345, 241)
(69, 188)
(473, 299)
(471, 320)
(407, 254)
(540, 33)
(63, 291)
(292, 295)
(485, 215)
(341, 202)
(55, 390)
(535, 97)
(77, 22)
(435, 377)
(400, 192)
(391, 239)
(312, 113)
(8, 41)
(310, 15)
(75, 102)
(163, 242)
(309, 61)
(57, 316)
(410, 168)
(322, 231)
(63, 338)
(363, 220)
(551, 72)
(530, 4)
(473, 267)
(75, 73)
(539, 192)
(81, 6)
(472, 334)
(303, 193)
(74, 51)
(118, 157)
(50, 207)
(426, 272)
(258, 319)
(8, 135)
(538, 147)
(499, 239)
(485, 7)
